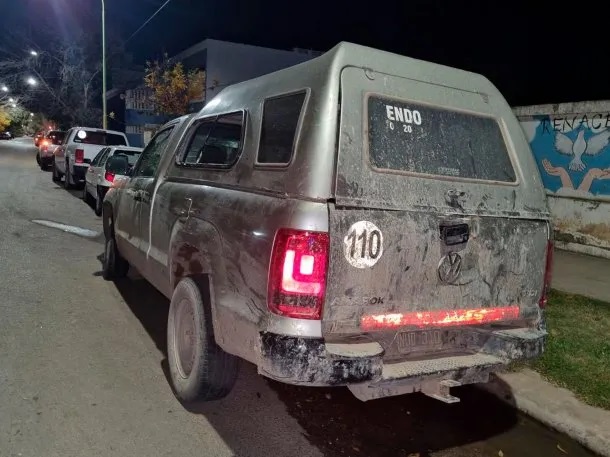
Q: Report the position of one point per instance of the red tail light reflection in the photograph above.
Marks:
(441, 318)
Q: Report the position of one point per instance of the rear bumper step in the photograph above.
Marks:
(308, 361)
(396, 372)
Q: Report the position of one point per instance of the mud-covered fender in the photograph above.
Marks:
(196, 251)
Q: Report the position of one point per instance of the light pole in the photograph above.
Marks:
(104, 119)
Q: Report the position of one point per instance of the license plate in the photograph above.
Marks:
(408, 342)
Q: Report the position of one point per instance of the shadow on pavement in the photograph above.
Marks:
(406, 425)
(334, 421)
(148, 305)
(76, 192)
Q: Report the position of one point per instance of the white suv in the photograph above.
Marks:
(79, 148)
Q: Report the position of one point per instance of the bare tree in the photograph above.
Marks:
(64, 75)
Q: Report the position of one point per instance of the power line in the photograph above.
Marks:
(147, 21)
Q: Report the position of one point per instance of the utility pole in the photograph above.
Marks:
(105, 117)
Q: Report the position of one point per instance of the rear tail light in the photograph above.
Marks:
(79, 155)
(109, 176)
(297, 273)
(548, 274)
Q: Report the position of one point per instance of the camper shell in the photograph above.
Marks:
(361, 219)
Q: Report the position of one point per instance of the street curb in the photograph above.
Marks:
(555, 407)
(583, 249)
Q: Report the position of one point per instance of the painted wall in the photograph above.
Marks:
(571, 145)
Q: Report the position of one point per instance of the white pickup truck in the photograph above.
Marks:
(79, 148)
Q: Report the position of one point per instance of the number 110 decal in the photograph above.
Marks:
(363, 244)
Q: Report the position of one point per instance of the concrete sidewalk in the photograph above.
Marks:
(582, 274)
(554, 406)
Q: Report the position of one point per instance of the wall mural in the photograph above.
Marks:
(572, 153)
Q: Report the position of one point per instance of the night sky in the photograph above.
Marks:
(535, 52)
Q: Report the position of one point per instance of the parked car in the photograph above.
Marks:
(38, 138)
(100, 176)
(361, 219)
(46, 149)
(6, 136)
(80, 146)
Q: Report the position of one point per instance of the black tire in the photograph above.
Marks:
(38, 161)
(67, 184)
(114, 266)
(99, 200)
(56, 177)
(209, 372)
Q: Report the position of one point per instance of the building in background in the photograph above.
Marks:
(571, 145)
(141, 119)
(224, 63)
(227, 63)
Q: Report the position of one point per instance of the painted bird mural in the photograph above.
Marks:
(580, 146)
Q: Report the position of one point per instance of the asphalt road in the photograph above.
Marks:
(83, 372)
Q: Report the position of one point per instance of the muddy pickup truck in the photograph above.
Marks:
(362, 219)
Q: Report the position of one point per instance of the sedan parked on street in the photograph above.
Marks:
(6, 136)
(100, 175)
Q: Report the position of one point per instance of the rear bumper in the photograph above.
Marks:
(46, 160)
(306, 361)
(79, 172)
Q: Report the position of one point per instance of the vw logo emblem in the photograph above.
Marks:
(449, 267)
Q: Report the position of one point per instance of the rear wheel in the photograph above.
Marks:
(99, 200)
(56, 176)
(199, 368)
(38, 160)
(114, 266)
(85, 195)
(67, 179)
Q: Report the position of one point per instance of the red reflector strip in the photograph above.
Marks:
(440, 318)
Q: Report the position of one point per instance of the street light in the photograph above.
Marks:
(14, 105)
(4, 89)
(31, 114)
(31, 81)
(33, 53)
(11, 100)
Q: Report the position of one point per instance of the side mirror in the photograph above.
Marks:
(118, 165)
